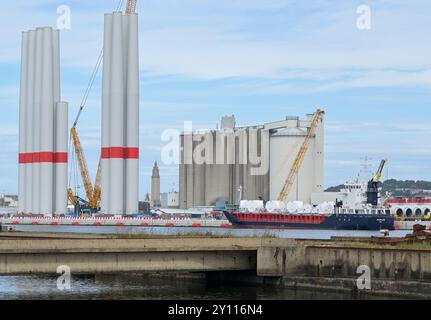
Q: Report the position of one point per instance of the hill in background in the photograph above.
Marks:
(399, 188)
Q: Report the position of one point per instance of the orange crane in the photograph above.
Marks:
(294, 170)
(93, 193)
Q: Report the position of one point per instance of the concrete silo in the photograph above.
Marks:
(248, 163)
(284, 146)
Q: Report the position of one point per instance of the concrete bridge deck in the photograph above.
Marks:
(129, 255)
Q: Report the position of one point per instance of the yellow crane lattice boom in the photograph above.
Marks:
(97, 191)
(82, 164)
(131, 6)
(283, 195)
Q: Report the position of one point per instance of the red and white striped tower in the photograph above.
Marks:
(30, 120)
(22, 125)
(40, 90)
(116, 121)
(132, 117)
(37, 118)
(120, 115)
(60, 158)
(46, 157)
(105, 181)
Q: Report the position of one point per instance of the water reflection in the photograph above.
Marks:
(148, 286)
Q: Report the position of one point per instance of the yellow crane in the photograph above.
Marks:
(93, 193)
(131, 6)
(373, 186)
(379, 172)
(283, 195)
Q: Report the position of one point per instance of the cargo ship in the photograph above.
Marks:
(371, 219)
(359, 209)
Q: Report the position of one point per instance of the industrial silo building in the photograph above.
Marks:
(249, 163)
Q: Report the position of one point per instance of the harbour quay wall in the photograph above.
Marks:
(389, 270)
(283, 262)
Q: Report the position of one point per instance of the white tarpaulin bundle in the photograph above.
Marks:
(294, 207)
(324, 207)
(251, 205)
(275, 206)
(297, 207)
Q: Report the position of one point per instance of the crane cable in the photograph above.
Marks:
(73, 174)
(92, 78)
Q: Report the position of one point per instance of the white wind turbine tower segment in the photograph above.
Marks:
(105, 181)
(47, 124)
(132, 118)
(22, 201)
(120, 115)
(116, 118)
(61, 140)
(36, 192)
(31, 46)
(39, 158)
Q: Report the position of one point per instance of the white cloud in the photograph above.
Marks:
(222, 39)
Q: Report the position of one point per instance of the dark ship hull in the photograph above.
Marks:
(372, 222)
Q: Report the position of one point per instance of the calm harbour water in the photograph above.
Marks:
(145, 286)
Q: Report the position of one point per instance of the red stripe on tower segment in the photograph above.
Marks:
(116, 153)
(36, 157)
(43, 157)
(46, 157)
(60, 157)
(105, 153)
(120, 153)
(131, 153)
(25, 158)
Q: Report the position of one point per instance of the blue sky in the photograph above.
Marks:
(261, 60)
